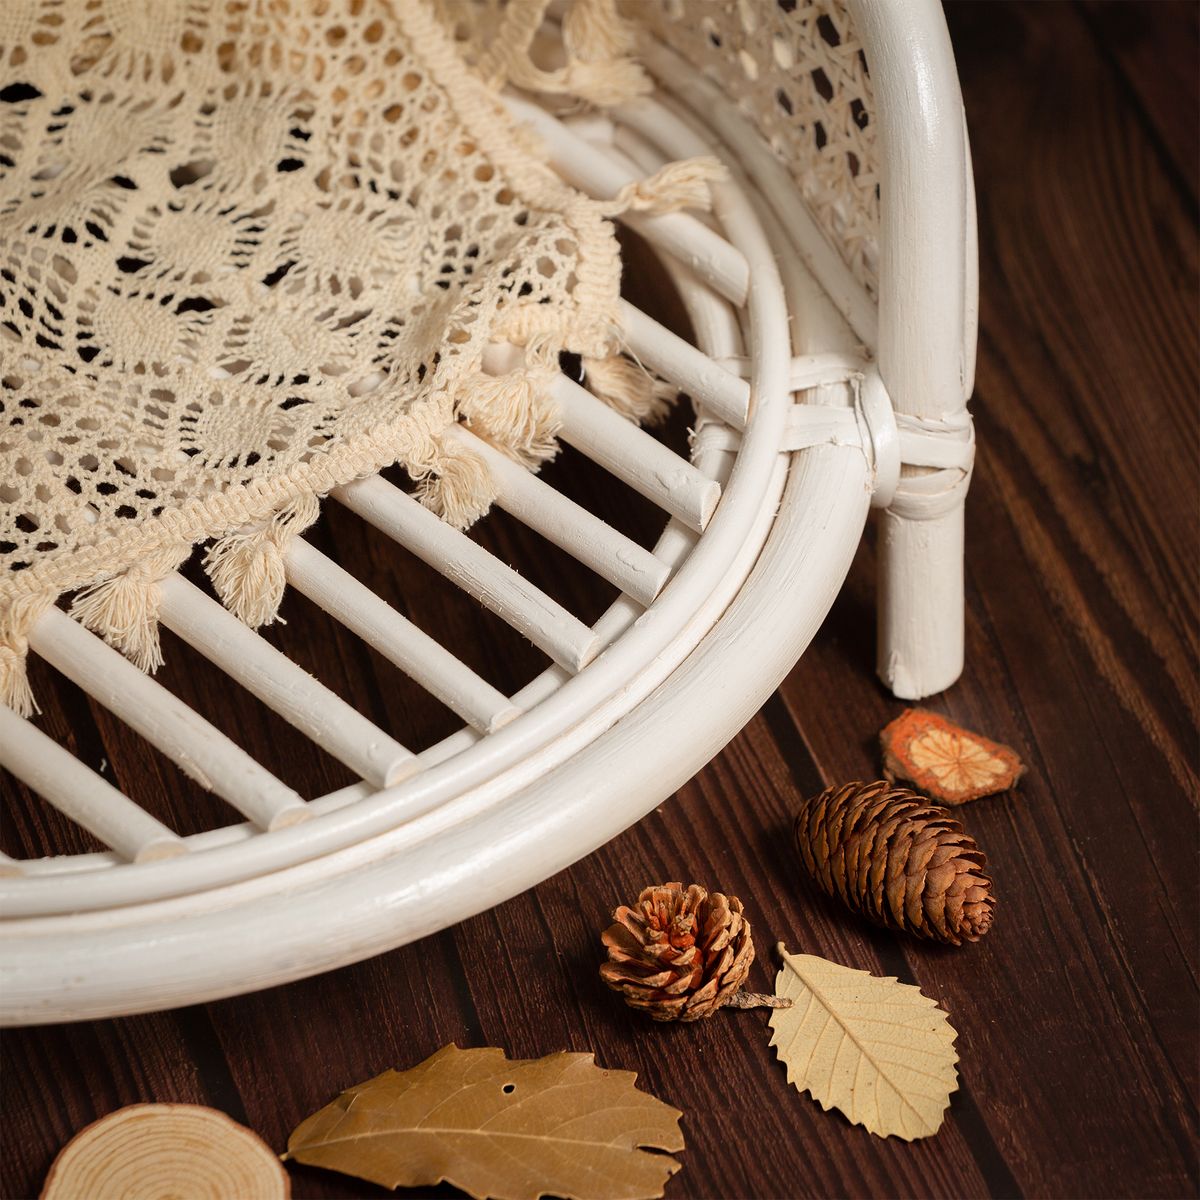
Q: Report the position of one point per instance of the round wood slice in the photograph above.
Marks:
(153, 1151)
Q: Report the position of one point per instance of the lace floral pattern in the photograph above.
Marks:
(249, 252)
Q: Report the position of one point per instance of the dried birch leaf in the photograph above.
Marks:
(515, 1130)
(874, 1047)
(945, 761)
(148, 1151)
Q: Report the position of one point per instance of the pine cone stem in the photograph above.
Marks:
(757, 1000)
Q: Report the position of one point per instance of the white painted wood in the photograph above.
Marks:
(613, 556)
(593, 126)
(970, 273)
(812, 370)
(575, 713)
(802, 301)
(941, 444)
(924, 248)
(422, 876)
(723, 393)
(526, 608)
(738, 141)
(395, 637)
(281, 685)
(707, 253)
(633, 456)
(713, 320)
(376, 869)
(821, 425)
(187, 739)
(80, 794)
(622, 447)
(715, 323)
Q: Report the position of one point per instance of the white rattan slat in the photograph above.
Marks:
(726, 396)
(640, 659)
(633, 456)
(811, 370)
(722, 392)
(713, 320)
(80, 794)
(567, 640)
(570, 526)
(195, 746)
(400, 641)
(281, 685)
(774, 183)
(576, 160)
(717, 331)
(622, 447)
(9, 867)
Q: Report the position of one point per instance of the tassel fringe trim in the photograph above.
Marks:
(123, 609)
(247, 569)
(629, 388)
(15, 624)
(598, 69)
(683, 184)
(460, 490)
(514, 412)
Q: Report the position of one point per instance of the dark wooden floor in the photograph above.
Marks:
(1077, 1015)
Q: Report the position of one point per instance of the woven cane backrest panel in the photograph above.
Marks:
(797, 71)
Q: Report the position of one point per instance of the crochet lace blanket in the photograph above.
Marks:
(251, 252)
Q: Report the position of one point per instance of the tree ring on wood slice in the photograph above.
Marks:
(149, 1151)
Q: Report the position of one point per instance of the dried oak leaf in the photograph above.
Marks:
(874, 1047)
(945, 761)
(512, 1130)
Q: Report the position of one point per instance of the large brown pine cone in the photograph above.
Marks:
(900, 861)
(679, 953)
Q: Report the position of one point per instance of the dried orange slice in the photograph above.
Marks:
(948, 763)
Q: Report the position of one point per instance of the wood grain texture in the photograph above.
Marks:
(1077, 1014)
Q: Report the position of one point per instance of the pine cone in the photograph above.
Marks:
(896, 859)
(679, 953)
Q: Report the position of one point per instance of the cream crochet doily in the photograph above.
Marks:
(249, 252)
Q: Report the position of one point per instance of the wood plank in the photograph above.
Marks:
(1156, 51)
(1076, 1015)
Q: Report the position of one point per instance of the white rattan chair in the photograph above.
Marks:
(832, 295)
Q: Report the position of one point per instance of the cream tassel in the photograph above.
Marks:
(123, 610)
(593, 31)
(606, 84)
(595, 39)
(683, 184)
(15, 623)
(246, 567)
(515, 412)
(629, 388)
(458, 487)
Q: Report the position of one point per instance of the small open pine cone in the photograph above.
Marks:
(896, 859)
(680, 953)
